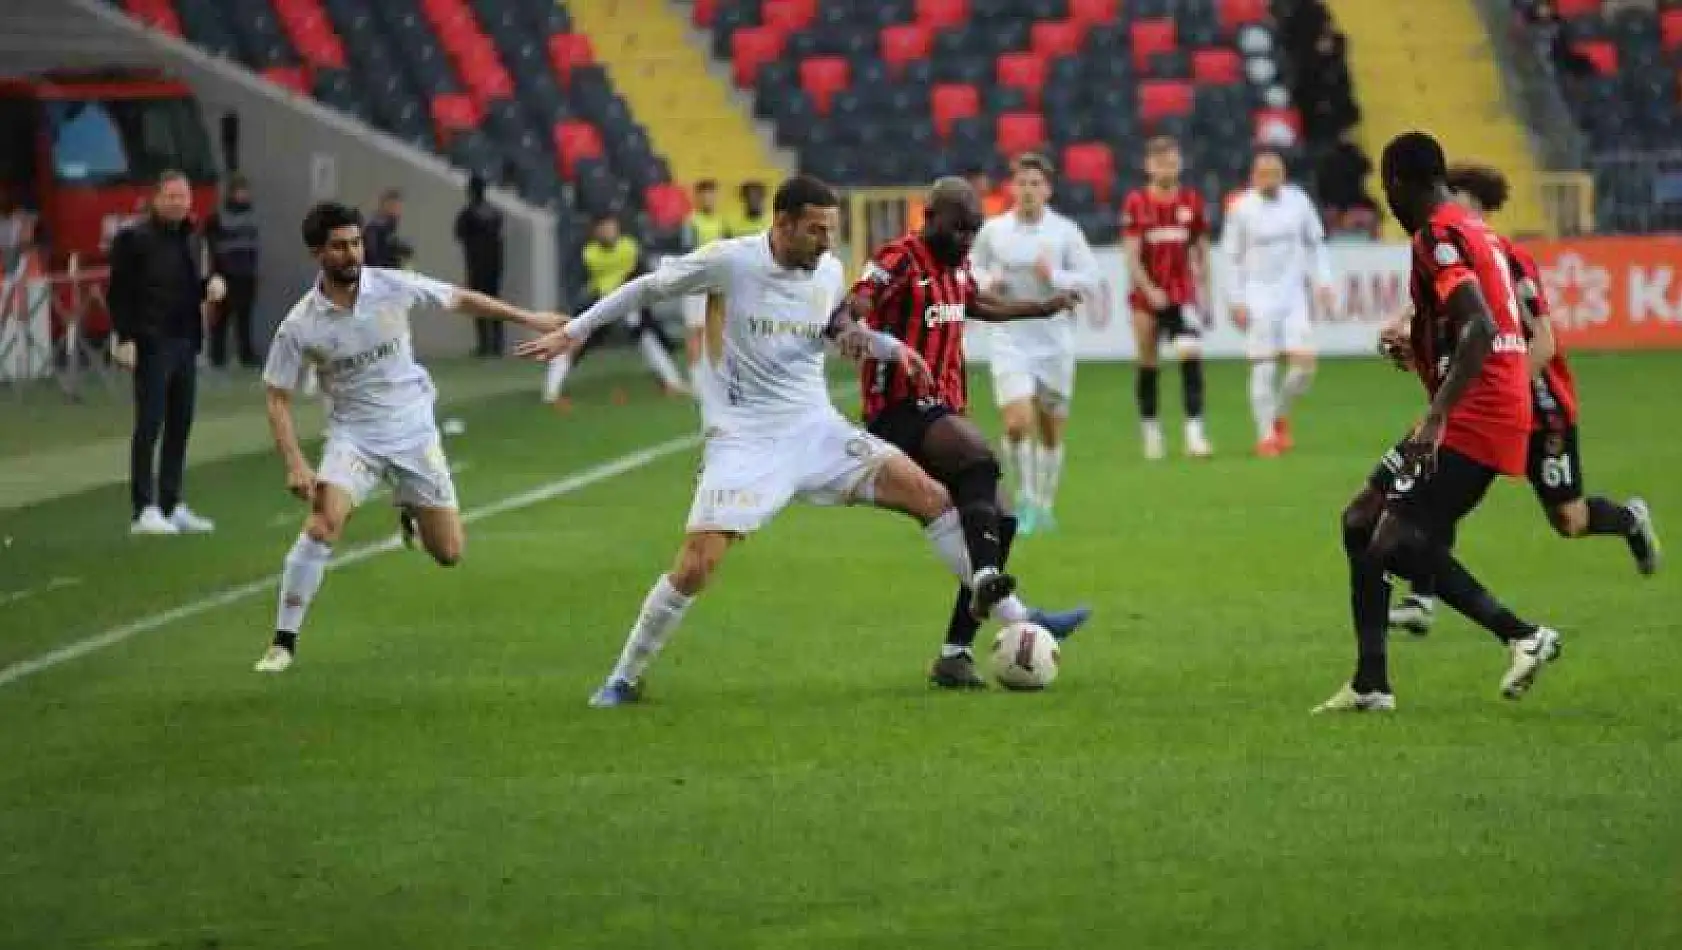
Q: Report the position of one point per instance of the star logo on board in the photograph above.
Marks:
(1578, 291)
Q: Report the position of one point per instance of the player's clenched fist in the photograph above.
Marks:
(300, 481)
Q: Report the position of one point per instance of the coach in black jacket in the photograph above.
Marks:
(157, 298)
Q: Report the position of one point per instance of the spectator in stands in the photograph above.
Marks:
(1553, 40)
(1341, 180)
(18, 232)
(379, 235)
(703, 226)
(1324, 88)
(479, 231)
(157, 298)
(752, 218)
(995, 199)
(232, 233)
(611, 259)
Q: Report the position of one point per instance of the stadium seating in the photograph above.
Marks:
(503, 88)
(895, 92)
(1624, 92)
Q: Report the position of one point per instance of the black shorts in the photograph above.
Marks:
(1436, 502)
(1173, 322)
(1554, 467)
(905, 424)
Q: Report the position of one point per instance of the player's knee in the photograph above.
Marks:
(1358, 522)
(1569, 520)
(976, 483)
(1018, 424)
(324, 527)
(446, 553)
(696, 563)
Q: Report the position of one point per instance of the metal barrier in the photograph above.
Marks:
(1567, 203)
(43, 321)
(875, 216)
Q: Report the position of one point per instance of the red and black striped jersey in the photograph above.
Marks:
(922, 302)
(1553, 391)
(1168, 227)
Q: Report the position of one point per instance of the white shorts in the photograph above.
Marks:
(1046, 378)
(745, 479)
(419, 475)
(1279, 324)
(694, 311)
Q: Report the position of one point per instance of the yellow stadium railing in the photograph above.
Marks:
(1567, 203)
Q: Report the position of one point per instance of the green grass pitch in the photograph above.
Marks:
(428, 775)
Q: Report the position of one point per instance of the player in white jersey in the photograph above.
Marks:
(1028, 253)
(352, 330)
(772, 434)
(1277, 248)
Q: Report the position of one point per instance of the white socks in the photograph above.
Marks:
(555, 376)
(1019, 455)
(946, 533)
(1264, 402)
(1048, 467)
(661, 611)
(299, 581)
(655, 355)
(1297, 381)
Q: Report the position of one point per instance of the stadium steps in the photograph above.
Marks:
(1427, 64)
(687, 110)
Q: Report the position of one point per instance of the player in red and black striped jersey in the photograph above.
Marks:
(919, 289)
(1468, 347)
(1553, 464)
(1165, 235)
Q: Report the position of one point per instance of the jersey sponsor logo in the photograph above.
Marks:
(1168, 235)
(939, 314)
(366, 358)
(760, 326)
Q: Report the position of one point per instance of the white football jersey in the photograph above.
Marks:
(1276, 244)
(1004, 257)
(763, 340)
(364, 357)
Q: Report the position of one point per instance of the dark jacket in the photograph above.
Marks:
(479, 229)
(232, 232)
(157, 287)
(379, 236)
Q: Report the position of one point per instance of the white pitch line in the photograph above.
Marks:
(526, 499)
(57, 583)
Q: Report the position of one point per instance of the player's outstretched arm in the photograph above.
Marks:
(990, 307)
(485, 307)
(857, 341)
(300, 478)
(691, 273)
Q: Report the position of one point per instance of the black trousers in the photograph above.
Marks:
(235, 317)
(165, 388)
(489, 333)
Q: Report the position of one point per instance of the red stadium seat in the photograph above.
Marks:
(1089, 12)
(1236, 13)
(702, 13)
(1602, 53)
(1670, 27)
(568, 51)
(790, 16)
(1093, 163)
(938, 14)
(575, 141)
(1024, 71)
(1262, 118)
(1164, 97)
(667, 205)
(1151, 37)
(950, 102)
(1019, 132)
(1569, 9)
(1217, 66)
(454, 112)
(904, 43)
(157, 14)
(752, 47)
(293, 78)
(822, 77)
(1053, 38)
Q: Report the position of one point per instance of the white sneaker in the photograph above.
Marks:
(188, 521)
(152, 521)
(275, 661)
(1156, 448)
(1414, 614)
(1529, 656)
(1347, 700)
(1197, 444)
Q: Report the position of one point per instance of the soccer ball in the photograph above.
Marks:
(1024, 656)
